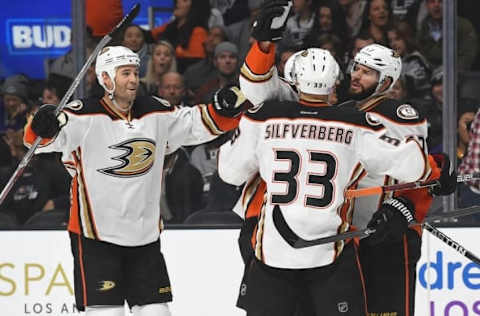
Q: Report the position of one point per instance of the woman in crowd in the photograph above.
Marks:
(377, 19)
(161, 61)
(187, 31)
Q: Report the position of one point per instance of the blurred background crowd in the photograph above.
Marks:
(199, 50)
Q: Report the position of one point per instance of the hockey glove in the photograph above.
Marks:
(271, 22)
(229, 101)
(447, 183)
(391, 221)
(45, 124)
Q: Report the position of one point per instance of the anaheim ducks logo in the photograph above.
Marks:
(372, 119)
(105, 286)
(137, 160)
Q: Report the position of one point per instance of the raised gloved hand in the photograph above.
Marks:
(45, 123)
(229, 101)
(270, 23)
(391, 220)
(447, 183)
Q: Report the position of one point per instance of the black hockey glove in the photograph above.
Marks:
(391, 220)
(270, 23)
(448, 180)
(229, 101)
(45, 124)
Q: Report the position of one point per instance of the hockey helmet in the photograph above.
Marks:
(383, 59)
(313, 71)
(112, 57)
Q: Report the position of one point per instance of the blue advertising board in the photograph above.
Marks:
(32, 31)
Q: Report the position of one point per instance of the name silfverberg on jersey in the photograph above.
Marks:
(309, 131)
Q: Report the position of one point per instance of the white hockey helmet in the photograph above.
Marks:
(112, 57)
(312, 71)
(383, 59)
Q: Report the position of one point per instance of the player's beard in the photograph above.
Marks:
(362, 95)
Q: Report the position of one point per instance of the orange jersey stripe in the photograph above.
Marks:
(259, 62)
(224, 123)
(74, 222)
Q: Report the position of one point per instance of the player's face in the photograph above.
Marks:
(126, 83)
(364, 79)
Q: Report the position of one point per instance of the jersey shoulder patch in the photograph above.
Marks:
(85, 107)
(399, 112)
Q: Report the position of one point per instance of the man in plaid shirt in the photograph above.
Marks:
(470, 193)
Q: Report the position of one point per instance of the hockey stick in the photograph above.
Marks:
(127, 19)
(404, 186)
(297, 242)
(450, 242)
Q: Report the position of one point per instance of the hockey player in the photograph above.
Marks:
(375, 72)
(307, 153)
(117, 145)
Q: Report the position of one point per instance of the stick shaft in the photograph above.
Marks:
(349, 194)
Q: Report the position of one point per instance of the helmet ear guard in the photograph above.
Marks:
(112, 57)
(382, 59)
(312, 71)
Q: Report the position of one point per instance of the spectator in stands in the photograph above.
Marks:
(433, 111)
(334, 45)
(55, 88)
(239, 33)
(226, 63)
(353, 11)
(330, 19)
(204, 70)
(135, 38)
(43, 185)
(299, 24)
(172, 89)
(469, 194)
(161, 61)
(377, 19)
(15, 101)
(430, 36)
(187, 31)
(415, 67)
(183, 188)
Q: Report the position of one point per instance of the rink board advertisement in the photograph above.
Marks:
(205, 269)
(37, 30)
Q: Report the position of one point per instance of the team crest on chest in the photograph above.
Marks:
(407, 112)
(137, 158)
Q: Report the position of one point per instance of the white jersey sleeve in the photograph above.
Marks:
(404, 161)
(237, 161)
(259, 80)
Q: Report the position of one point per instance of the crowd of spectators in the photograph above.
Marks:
(199, 50)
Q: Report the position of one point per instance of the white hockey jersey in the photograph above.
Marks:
(307, 156)
(259, 82)
(117, 162)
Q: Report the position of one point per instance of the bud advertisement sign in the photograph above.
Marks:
(35, 31)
